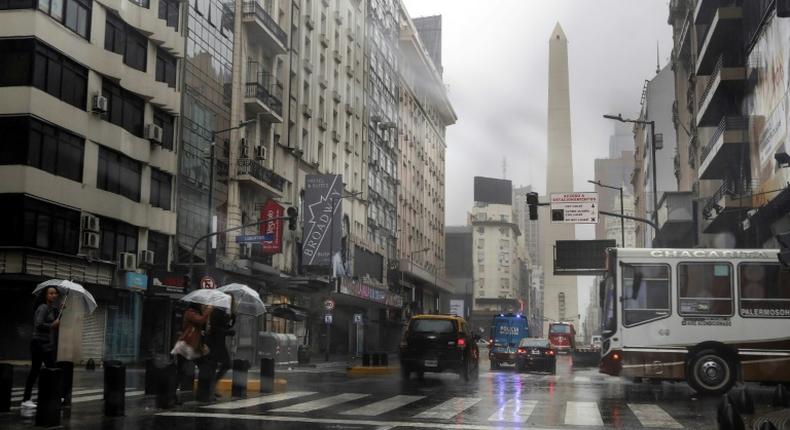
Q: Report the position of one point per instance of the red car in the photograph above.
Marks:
(562, 336)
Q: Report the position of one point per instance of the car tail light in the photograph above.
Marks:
(616, 356)
(522, 350)
(550, 352)
(461, 342)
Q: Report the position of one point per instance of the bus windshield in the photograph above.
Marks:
(609, 317)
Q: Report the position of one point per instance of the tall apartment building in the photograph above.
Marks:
(459, 258)
(615, 171)
(90, 99)
(614, 227)
(424, 114)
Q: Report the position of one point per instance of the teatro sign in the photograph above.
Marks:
(364, 290)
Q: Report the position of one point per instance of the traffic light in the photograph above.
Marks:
(784, 248)
(783, 8)
(532, 202)
(292, 216)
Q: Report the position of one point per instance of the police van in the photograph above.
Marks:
(507, 330)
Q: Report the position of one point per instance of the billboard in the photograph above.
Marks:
(581, 257)
(322, 219)
(272, 231)
(495, 191)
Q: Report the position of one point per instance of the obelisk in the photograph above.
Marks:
(559, 179)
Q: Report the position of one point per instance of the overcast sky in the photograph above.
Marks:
(495, 57)
(495, 65)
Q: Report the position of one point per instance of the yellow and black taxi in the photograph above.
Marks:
(536, 354)
(438, 343)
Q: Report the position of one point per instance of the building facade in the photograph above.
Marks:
(91, 102)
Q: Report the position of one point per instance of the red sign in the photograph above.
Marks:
(207, 282)
(273, 230)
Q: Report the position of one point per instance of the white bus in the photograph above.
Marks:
(706, 316)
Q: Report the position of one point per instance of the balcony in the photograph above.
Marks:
(336, 96)
(684, 40)
(323, 81)
(676, 220)
(308, 66)
(722, 94)
(727, 150)
(724, 36)
(706, 9)
(264, 28)
(253, 172)
(337, 56)
(324, 40)
(727, 207)
(259, 100)
(336, 136)
(322, 125)
(308, 22)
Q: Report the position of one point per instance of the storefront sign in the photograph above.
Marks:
(273, 230)
(322, 226)
(457, 307)
(365, 291)
(136, 281)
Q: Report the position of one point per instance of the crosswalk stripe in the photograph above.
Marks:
(73, 393)
(101, 397)
(582, 414)
(514, 411)
(272, 398)
(653, 416)
(449, 409)
(321, 403)
(383, 406)
(581, 379)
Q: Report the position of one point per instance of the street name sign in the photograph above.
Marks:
(253, 238)
(574, 208)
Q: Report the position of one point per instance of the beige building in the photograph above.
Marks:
(497, 254)
(90, 99)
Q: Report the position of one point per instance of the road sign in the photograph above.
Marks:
(328, 319)
(207, 282)
(357, 318)
(252, 238)
(329, 305)
(574, 208)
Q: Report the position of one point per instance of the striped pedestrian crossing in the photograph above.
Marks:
(256, 401)
(321, 403)
(514, 411)
(90, 394)
(449, 409)
(383, 406)
(582, 414)
(653, 416)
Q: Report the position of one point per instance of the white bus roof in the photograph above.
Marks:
(698, 253)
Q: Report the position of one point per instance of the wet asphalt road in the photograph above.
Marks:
(574, 398)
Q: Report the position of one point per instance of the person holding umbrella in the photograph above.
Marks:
(220, 326)
(44, 343)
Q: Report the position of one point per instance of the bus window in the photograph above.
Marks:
(609, 317)
(705, 289)
(645, 293)
(765, 290)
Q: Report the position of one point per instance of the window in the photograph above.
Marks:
(123, 39)
(34, 223)
(16, 4)
(704, 289)
(161, 188)
(119, 174)
(645, 293)
(159, 244)
(166, 122)
(142, 3)
(116, 237)
(765, 290)
(165, 68)
(124, 108)
(30, 62)
(28, 141)
(168, 10)
(74, 14)
(432, 326)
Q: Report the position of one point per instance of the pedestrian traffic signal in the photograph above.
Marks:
(293, 214)
(784, 248)
(532, 202)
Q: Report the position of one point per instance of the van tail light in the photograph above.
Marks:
(550, 352)
(522, 350)
(461, 343)
(616, 357)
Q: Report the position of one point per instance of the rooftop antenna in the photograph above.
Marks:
(504, 167)
(658, 61)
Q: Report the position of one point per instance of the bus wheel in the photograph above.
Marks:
(710, 373)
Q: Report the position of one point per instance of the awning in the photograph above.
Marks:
(288, 311)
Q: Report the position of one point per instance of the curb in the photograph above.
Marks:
(371, 371)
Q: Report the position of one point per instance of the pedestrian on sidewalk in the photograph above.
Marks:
(220, 326)
(190, 346)
(44, 343)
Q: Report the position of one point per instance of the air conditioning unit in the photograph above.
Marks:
(89, 240)
(146, 258)
(89, 222)
(153, 133)
(245, 251)
(127, 261)
(260, 152)
(100, 104)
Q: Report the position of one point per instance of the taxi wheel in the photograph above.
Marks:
(466, 370)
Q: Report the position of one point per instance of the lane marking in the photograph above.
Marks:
(321, 403)
(582, 414)
(73, 393)
(383, 406)
(514, 411)
(101, 396)
(271, 398)
(650, 415)
(581, 379)
(341, 422)
(449, 409)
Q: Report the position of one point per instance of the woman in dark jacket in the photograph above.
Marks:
(44, 344)
(220, 327)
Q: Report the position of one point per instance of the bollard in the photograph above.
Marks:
(67, 381)
(114, 389)
(375, 362)
(780, 398)
(721, 414)
(151, 376)
(187, 381)
(205, 389)
(240, 368)
(745, 402)
(267, 375)
(49, 392)
(166, 383)
(365, 359)
(90, 364)
(6, 386)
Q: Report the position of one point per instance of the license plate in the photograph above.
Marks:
(535, 352)
(431, 363)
